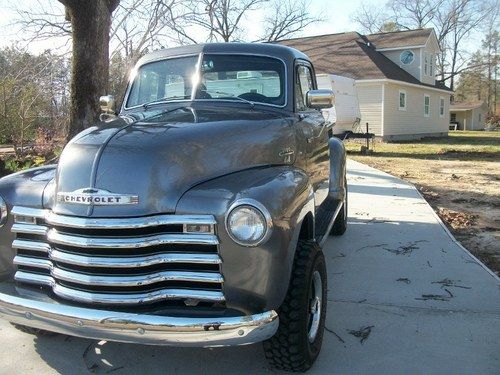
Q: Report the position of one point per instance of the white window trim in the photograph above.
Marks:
(399, 100)
(426, 64)
(427, 114)
(441, 98)
(431, 64)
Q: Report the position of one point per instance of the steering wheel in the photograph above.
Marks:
(254, 97)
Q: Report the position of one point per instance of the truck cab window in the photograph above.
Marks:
(303, 84)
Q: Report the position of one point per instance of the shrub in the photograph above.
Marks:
(492, 122)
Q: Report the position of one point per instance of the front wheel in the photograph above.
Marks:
(297, 343)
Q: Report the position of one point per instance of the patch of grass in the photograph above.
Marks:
(460, 145)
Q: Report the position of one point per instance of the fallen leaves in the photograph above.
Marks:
(457, 220)
(363, 333)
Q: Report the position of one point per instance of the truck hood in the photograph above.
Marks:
(158, 159)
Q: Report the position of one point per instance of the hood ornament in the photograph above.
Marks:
(96, 197)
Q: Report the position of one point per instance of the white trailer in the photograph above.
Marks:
(345, 113)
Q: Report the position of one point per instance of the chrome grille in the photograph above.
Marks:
(122, 261)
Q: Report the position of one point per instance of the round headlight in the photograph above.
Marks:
(248, 223)
(3, 212)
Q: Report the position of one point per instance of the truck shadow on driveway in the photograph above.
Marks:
(72, 355)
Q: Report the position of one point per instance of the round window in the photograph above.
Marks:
(407, 57)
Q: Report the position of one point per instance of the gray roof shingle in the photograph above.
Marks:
(354, 55)
(407, 38)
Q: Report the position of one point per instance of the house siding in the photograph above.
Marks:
(413, 68)
(432, 49)
(370, 104)
(401, 124)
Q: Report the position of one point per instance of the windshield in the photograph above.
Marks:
(254, 79)
(165, 79)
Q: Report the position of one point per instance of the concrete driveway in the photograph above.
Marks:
(404, 297)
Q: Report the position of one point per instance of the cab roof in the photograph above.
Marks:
(287, 54)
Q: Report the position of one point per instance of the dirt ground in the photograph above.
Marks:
(460, 178)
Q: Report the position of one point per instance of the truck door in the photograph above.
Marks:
(312, 125)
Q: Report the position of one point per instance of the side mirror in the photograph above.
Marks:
(108, 104)
(320, 99)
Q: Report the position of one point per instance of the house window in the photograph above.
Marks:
(431, 65)
(441, 107)
(480, 118)
(426, 63)
(453, 117)
(427, 105)
(402, 100)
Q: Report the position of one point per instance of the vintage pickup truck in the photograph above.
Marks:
(193, 217)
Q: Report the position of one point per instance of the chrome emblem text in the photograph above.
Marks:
(96, 197)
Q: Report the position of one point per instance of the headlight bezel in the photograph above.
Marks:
(4, 213)
(260, 208)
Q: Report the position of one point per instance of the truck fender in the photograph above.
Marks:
(337, 188)
(256, 279)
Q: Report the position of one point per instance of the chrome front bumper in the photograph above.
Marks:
(138, 328)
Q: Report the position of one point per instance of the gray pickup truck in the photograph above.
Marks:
(194, 216)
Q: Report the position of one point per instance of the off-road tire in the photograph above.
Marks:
(290, 349)
(33, 331)
(340, 225)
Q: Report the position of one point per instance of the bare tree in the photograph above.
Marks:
(137, 27)
(463, 17)
(220, 19)
(490, 45)
(369, 18)
(289, 18)
(42, 20)
(90, 23)
(415, 14)
(141, 24)
(453, 20)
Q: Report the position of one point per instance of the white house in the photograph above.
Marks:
(468, 115)
(395, 78)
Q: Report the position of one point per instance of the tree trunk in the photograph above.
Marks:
(90, 22)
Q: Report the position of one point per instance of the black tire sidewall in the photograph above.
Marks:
(315, 347)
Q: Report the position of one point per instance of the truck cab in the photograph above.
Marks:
(193, 215)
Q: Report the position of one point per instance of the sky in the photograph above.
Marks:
(337, 16)
(336, 13)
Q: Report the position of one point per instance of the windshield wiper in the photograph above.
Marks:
(229, 95)
(166, 99)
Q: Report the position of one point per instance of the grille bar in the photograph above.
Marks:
(119, 298)
(29, 212)
(40, 230)
(56, 237)
(148, 279)
(31, 245)
(133, 262)
(115, 262)
(138, 280)
(20, 260)
(127, 223)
